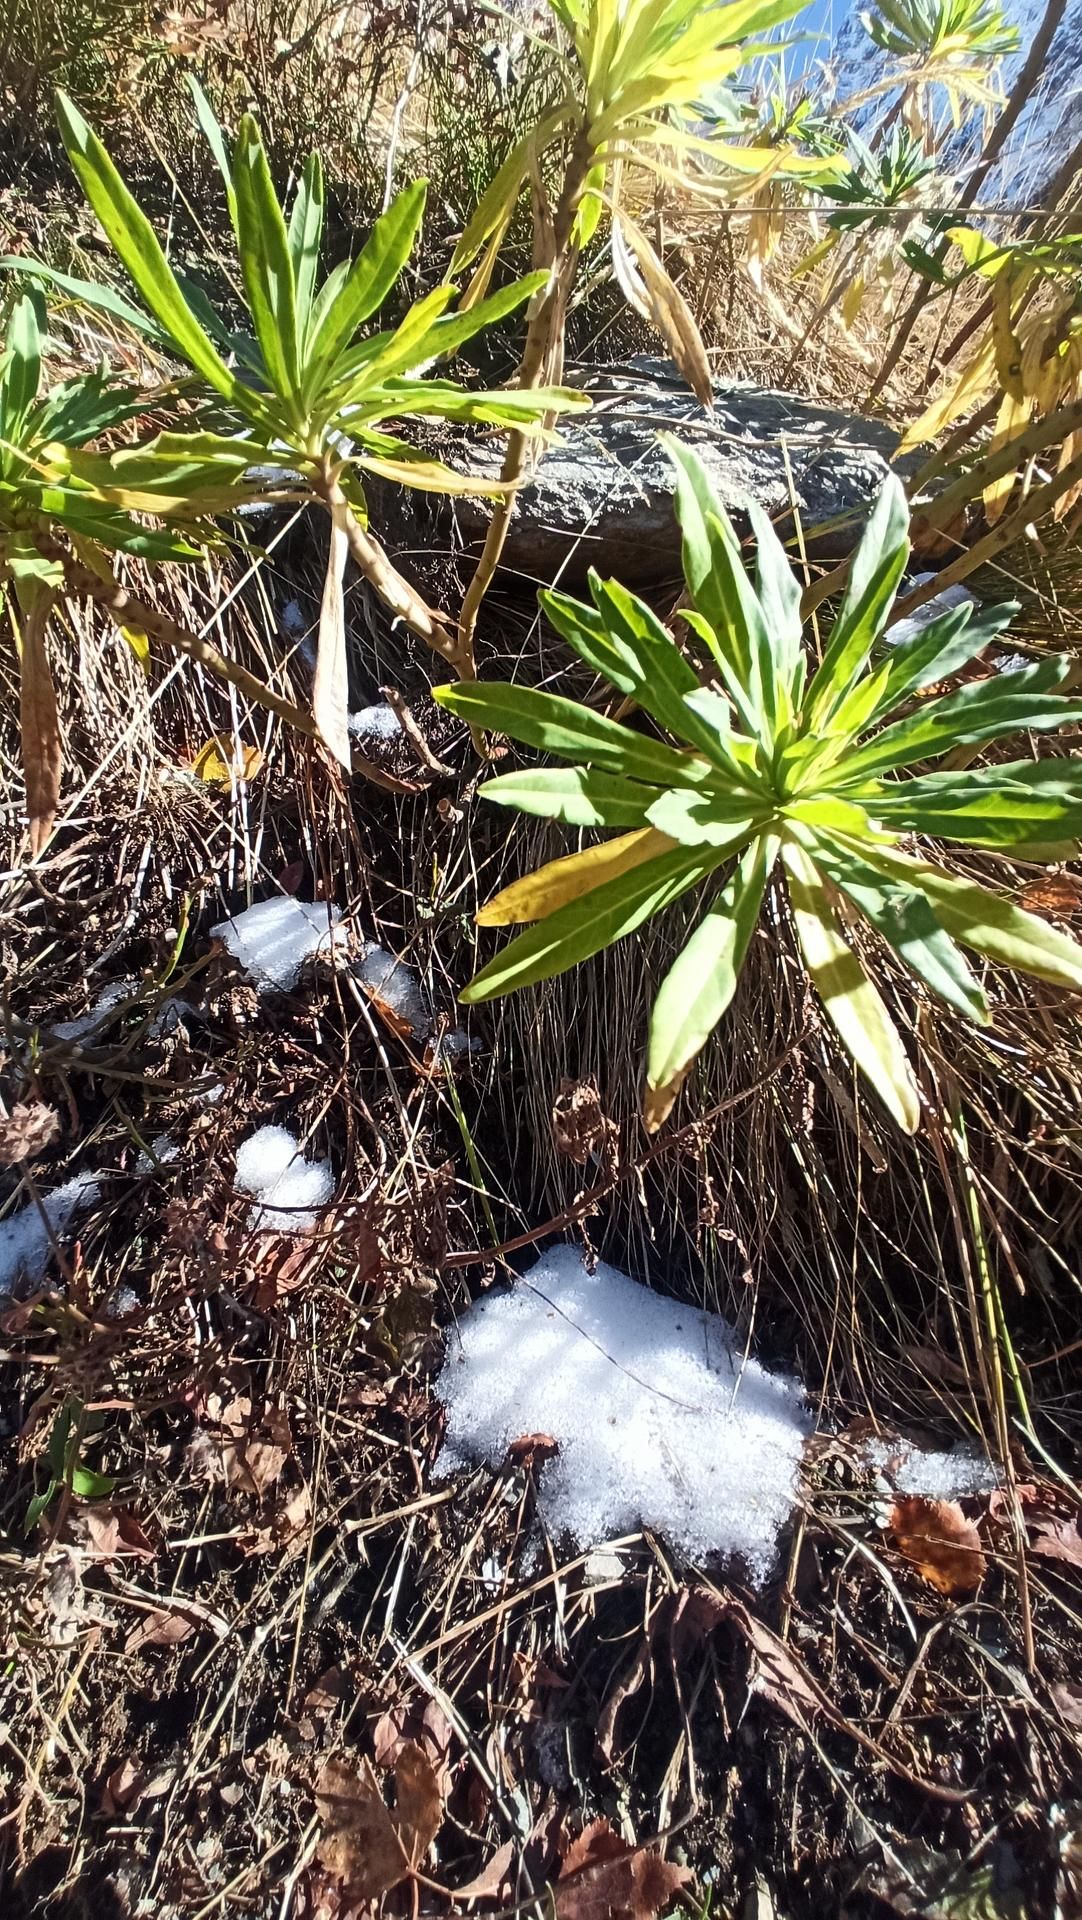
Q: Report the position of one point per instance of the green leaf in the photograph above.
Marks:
(576, 795)
(877, 567)
(704, 819)
(452, 330)
(904, 918)
(212, 134)
(586, 925)
(572, 731)
(266, 261)
(305, 234)
(39, 1505)
(712, 561)
(1009, 805)
(699, 986)
(941, 649)
(133, 237)
(102, 298)
(59, 1437)
(852, 1003)
(984, 710)
(986, 921)
(778, 593)
(366, 285)
(22, 368)
(91, 1486)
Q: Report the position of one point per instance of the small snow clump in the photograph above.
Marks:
(932, 1476)
(273, 939)
(289, 1189)
(374, 723)
(85, 1023)
(659, 1419)
(25, 1245)
(396, 985)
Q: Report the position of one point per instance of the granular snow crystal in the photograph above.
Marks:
(273, 939)
(289, 1189)
(25, 1244)
(659, 1419)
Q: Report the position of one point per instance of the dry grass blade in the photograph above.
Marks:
(650, 289)
(330, 695)
(40, 725)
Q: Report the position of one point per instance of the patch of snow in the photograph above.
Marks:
(932, 1476)
(904, 630)
(451, 1045)
(273, 939)
(292, 618)
(375, 723)
(163, 1149)
(396, 985)
(289, 1189)
(659, 1420)
(25, 1245)
(209, 1095)
(169, 1016)
(85, 1023)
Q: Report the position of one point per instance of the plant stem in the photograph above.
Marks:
(404, 601)
(544, 347)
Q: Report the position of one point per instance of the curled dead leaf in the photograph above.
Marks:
(650, 289)
(26, 1131)
(1057, 1537)
(365, 1846)
(602, 1878)
(1055, 893)
(937, 1539)
(39, 724)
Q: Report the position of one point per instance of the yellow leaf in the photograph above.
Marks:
(1012, 420)
(852, 1003)
(561, 881)
(853, 301)
(139, 644)
(1008, 349)
(971, 387)
(221, 760)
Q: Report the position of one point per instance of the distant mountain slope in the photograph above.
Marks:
(1048, 129)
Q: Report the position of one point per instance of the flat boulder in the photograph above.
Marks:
(604, 496)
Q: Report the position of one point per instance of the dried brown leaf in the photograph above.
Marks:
(651, 291)
(26, 1131)
(1055, 893)
(1068, 1699)
(601, 1878)
(112, 1532)
(532, 1447)
(937, 1539)
(359, 1845)
(580, 1125)
(330, 691)
(39, 724)
(159, 1629)
(1056, 1536)
(494, 1880)
(419, 1803)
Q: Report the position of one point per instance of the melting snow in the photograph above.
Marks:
(396, 985)
(375, 723)
(933, 1476)
(273, 939)
(85, 1023)
(660, 1421)
(25, 1245)
(289, 1189)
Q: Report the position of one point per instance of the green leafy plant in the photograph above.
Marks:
(65, 1469)
(59, 530)
(954, 44)
(782, 771)
(301, 388)
(626, 90)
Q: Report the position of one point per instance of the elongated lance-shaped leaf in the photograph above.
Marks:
(703, 524)
(22, 364)
(215, 139)
(266, 261)
(906, 920)
(1013, 804)
(778, 592)
(985, 921)
(330, 690)
(573, 732)
(705, 818)
(939, 650)
(558, 882)
(622, 639)
(305, 233)
(584, 927)
(699, 986)
(852, 1004)
(579, 796)
(985, 710)
(877, 567)
(366, 285)
(133, 237)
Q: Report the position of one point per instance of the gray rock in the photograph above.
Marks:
(604, 496)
